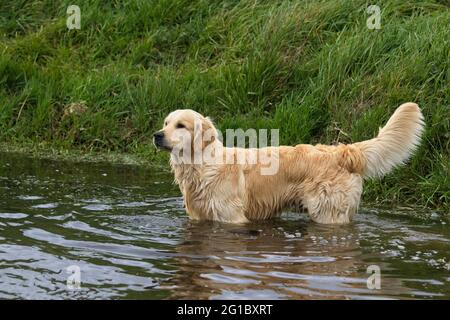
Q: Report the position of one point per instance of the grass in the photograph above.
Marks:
(310, 68)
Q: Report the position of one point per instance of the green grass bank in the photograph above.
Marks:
(312, 69)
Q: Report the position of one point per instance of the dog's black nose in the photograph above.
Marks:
(158, 139)
(158, 135)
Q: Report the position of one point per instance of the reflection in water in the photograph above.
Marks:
(126, 230)
(285, 259)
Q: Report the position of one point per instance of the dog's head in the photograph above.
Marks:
(185, 128)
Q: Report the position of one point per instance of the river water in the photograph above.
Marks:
(99, 231)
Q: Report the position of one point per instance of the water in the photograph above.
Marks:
(124, 229)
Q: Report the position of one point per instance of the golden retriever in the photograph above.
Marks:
(326, 181)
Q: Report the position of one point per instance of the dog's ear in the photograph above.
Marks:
(204, 132)
(209, 132)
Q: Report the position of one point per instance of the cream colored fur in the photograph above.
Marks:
(326, 181)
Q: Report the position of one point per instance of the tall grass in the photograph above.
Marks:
(310, 68)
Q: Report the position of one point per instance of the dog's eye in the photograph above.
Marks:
(180, 126)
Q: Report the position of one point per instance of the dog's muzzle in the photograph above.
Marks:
(159, 141)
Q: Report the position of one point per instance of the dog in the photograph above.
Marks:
(326, 181)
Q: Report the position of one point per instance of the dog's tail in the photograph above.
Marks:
(395, 142)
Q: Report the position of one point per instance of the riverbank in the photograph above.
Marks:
(41, 151)
(312, 69)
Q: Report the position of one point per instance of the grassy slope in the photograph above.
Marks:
(310, 68)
